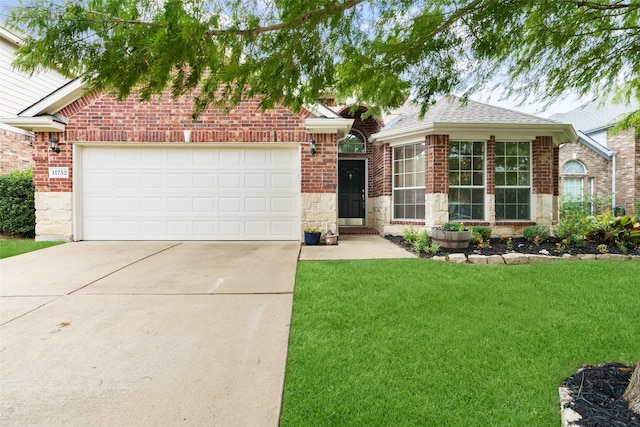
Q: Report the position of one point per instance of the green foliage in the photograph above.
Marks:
(453, 226)
(356, 320)
(421, 242)
(294, 52)
(583, 206)
(622, 231)
(535, 233)
(575, 220)
(480, 232)
(12, 247)
(17, 205)
(410, 233)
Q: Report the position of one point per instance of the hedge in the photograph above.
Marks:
(17, 205)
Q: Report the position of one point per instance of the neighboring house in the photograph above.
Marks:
(601, 164)
(145, 171)
(18, 91)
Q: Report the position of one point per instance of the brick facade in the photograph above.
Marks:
(98, 118)
(436, 155)
(599, 170)
(16, 150)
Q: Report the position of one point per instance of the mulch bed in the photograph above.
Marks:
(597, 396)
(497, 246)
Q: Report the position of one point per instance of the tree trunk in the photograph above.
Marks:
(632, 393)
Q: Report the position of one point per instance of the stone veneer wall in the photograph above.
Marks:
(16, 149)
(320, 210)
(54, 216)
(379, 215)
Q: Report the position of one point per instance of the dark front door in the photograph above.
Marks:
(351, 192)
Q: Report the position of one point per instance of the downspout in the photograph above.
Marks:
(613, 180)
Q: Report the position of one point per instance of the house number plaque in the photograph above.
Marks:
(59, 173)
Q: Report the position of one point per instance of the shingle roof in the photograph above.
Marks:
(453, 110)
(596, 115)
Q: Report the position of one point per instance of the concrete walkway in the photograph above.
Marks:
(355, 247)
(146, 333)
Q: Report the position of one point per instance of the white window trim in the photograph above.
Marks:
(484, 187)
(530, 186)
(393, 180)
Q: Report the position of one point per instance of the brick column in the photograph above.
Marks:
(436, 179)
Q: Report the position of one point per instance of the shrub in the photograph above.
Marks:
(17, 205)
(535, 233)
(622, 231)
(480, 231)
(583, 206)
(409, 234)
(421, 242)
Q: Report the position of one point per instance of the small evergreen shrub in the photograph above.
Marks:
(481, 231)
(535, 233)
(17, 204)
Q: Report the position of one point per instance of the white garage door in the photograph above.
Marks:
(167, 193)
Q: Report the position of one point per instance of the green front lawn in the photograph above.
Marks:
(11, 247)
(421, 343)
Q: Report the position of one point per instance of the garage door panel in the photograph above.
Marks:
(231, 181)
(256, 181)
(152, 180)
(230, 159)
(159, 193)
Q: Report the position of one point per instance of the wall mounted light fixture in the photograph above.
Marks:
(312, 146)
(53, 144)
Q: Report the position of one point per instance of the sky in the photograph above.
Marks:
(561, 106)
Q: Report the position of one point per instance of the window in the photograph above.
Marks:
(353, 143)
(466, 180)
(573, 167)
(408, 182)
(513, 181)
(573, 195)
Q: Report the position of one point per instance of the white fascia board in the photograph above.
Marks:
(322, 110)
(325, 125)
(56, 101)
(403, 136)
(10, 37)
(561, 133)
(14, 129)
(36, 124)
(594, 146)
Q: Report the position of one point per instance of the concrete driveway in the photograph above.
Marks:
(146, 333)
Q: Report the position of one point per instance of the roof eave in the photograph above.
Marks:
(328, 125)
(35, 124)
(560, 132)
(57, 100)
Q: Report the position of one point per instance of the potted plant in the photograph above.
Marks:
(311, 236)
(451, 235)
(330, 238)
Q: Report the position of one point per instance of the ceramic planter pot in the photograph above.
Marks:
(455, 240)
(311, 238)
(331, 240)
